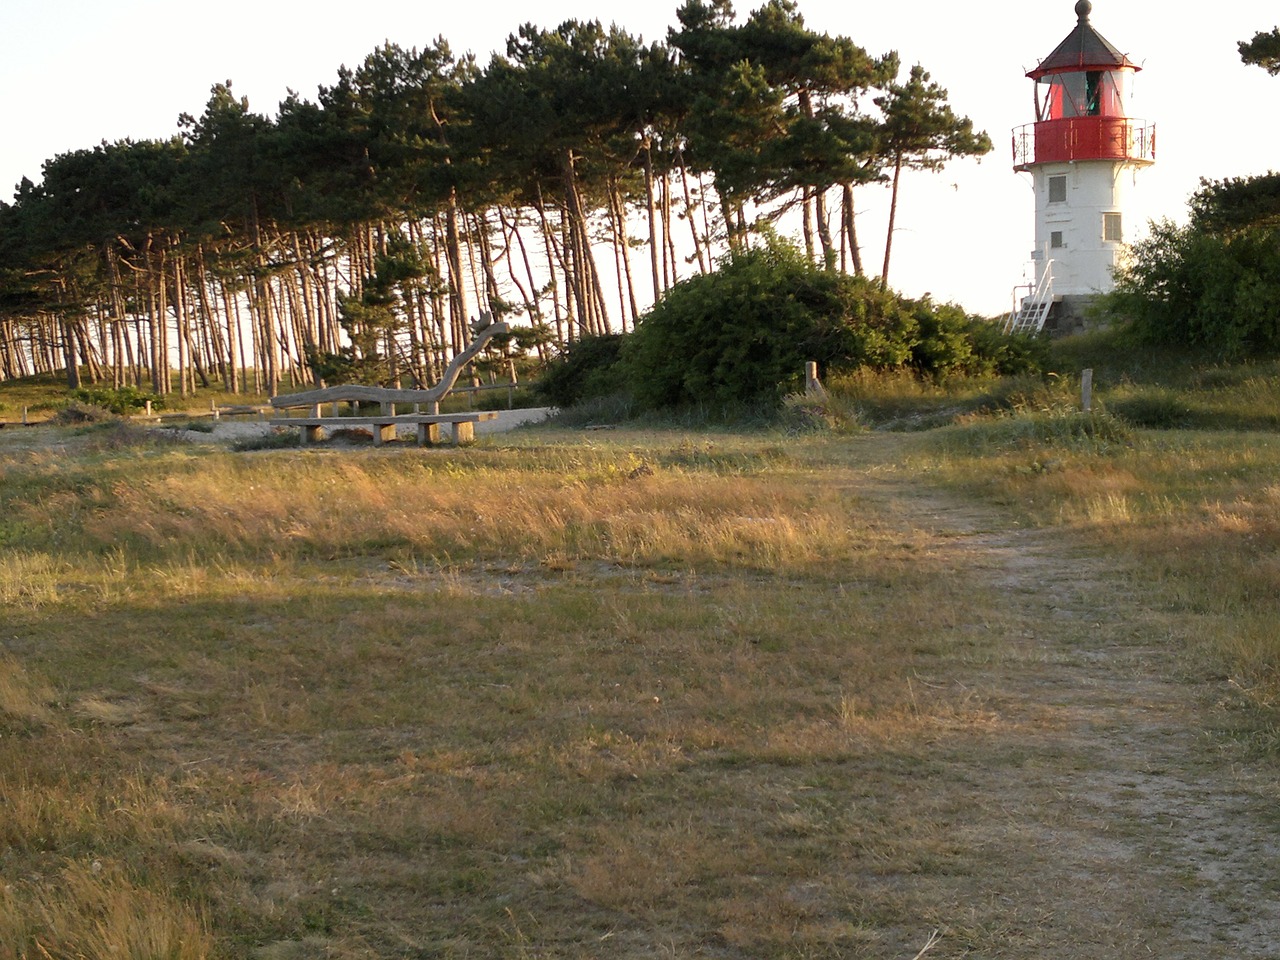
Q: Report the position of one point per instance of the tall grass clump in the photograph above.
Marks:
(94, 910)
(1095, 430)
(23, 698)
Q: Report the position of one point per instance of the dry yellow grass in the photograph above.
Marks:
(93, 910)
(727, 696)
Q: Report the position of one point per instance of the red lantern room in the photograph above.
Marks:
(1081, 93)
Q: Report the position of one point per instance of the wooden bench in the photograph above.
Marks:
(387, 422)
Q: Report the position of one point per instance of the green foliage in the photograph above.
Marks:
(1223, 207)
(1218, 292)
(951, 343)
(587, 368)
(372, 319)
(1263, 51)
(742, 335)
(366, 320)
(581, 124)
(773, 105)
(1008, 355)
(920, 132)
(121, 401)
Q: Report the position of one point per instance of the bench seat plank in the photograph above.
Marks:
(385, 425)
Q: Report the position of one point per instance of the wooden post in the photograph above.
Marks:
(213, 408)
(812, 385)
(148, 408)
(1086, 390)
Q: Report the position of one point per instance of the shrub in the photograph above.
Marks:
(82, 413)
(586, 369)
(1006, 354)
(121, 401)
(741, 336)
(1214, 284)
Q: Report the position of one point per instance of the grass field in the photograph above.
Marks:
(632, 693)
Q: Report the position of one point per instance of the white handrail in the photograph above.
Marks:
(1030, 313)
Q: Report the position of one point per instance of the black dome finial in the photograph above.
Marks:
(1083, 9)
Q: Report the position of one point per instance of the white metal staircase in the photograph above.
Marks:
(1030, 309)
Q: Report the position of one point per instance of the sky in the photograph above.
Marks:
(75, 73)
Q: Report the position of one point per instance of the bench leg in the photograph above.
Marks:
(464, 432)
(428, 434)
(383, 433)
(312, 434)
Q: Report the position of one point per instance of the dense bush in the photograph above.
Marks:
(738, 338)
(1213, 284)
(586, 368)
(743, 334)
(951, 343)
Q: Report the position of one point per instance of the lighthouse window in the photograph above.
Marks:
(1112, 227)
(1058, 189)
(1093, 93)
(1055, 239)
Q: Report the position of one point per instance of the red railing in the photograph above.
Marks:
(1084, 138)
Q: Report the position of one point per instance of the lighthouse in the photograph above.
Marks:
(1083, 153)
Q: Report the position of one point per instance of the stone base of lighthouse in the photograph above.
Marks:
(1070, 314)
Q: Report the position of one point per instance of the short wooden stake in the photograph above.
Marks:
(812, 385)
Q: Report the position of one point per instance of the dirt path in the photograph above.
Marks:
(1109, 824)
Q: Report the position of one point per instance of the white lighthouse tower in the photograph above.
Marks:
(1083, 153)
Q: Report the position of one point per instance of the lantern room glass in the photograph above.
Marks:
(1085, 93)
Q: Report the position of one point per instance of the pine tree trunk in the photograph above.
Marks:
(893, 212)
(653, 219)
(458, 311)
(669, 246)
(849, 225)
(807, 223)
(690, 209)
(626, 283)
(824, 229)
(553, 257)
(180, 324)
